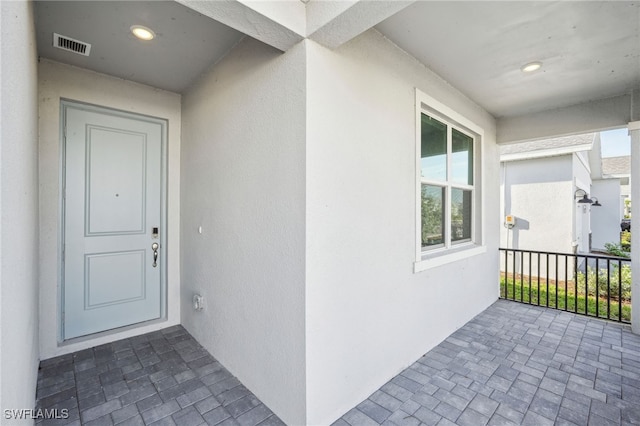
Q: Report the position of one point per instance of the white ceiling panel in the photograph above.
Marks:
(589, 49)
(186, 42)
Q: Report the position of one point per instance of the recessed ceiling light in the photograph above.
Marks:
(531, 66)
(143, 33)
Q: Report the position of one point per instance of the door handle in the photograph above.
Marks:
(154, 247)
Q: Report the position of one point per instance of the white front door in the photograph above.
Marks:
(113, 196)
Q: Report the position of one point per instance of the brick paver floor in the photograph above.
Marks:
(516, 364)
(159, 378)
(512, 364)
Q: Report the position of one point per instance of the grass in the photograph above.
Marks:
(553, 294)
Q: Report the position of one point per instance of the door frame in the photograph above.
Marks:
(66, 104)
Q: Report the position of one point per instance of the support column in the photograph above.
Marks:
(634, 133)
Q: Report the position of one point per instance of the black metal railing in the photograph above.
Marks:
(588, 284)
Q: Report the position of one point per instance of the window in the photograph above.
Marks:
(449, 195)
(446, 177)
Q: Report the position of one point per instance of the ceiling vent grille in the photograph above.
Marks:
(71, 45)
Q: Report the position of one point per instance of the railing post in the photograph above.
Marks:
(597, 289)
(634, 133)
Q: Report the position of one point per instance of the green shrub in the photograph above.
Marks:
(617, 250)
(562, 295)
(625, 241)
(614, 283)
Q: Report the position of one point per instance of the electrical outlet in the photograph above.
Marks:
(198, 302)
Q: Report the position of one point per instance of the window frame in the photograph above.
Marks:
(449, 251)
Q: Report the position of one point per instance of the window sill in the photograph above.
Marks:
(432, 260)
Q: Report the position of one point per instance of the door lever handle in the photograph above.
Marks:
(154, 247)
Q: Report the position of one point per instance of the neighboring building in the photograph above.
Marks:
(619, 168)
(539, 180)
(542, 182)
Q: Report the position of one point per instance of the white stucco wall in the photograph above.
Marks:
(58, 81)
(19, 207)
(539, 193)
(582, 171)
(368, 315)
(582, 157)
(243, 158)
(634, 134)
(582, 224)
(605, 220)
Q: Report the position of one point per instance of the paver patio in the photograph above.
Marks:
(512, 364)
(516, 364)
(159, 378)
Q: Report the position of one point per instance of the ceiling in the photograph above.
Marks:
(187, 42)
(590, 50)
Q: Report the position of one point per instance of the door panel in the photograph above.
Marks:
(116, 163)
(112, 203)
(113, 278)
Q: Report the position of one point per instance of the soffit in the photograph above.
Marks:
(187, 42)
(590, 50)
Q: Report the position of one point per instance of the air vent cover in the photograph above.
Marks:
(71, 45)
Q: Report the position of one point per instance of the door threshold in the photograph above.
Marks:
(112, 332)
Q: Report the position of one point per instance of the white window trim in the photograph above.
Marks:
(441, 256)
